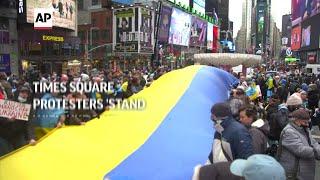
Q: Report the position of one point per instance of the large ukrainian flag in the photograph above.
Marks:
(165, 141)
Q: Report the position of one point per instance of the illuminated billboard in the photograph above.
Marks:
(180, 27)
(165, 19)
(64, 12)
(210, 36)
(296, 38)
(199, 6)
(306, 35)
(198, 32)
(125, 32)
(310, 33)
(303, 9)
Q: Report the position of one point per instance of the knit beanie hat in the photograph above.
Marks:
(294, 100)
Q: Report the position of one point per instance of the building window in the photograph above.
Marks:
(80, 4)
(4, 30)
(82, 48)
(95, 2)
(108, 21)
(94, 22)
(8, 3)
(4, 37)
(95, 34)
(81, 35)
(56, 49)
(106, 35)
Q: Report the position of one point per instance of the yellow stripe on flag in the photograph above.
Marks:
(89, 152)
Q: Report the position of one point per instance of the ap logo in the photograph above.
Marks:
(42, 18)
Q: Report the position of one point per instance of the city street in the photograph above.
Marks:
(159, 89)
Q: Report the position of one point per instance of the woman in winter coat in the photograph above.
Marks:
(297, 150)
(258, 129)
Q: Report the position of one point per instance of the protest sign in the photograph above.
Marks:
(12, 109)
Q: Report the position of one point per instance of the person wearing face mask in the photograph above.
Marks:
(279, 119)
(231, 139)
(258, 129)
(297, 149)
(17, 133)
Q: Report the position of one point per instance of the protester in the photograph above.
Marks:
(258, 167)
(279, 119)
(304, 98)
(231, 139)
(6, 89)
(243, 81)
(258, 131)
(297, 148)
(313, 96)
(282, 90)
(15, 133)
(270, 83)
(272, 106)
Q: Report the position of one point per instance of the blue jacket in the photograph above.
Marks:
(238, 137)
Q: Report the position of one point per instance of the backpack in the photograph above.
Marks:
(277, 122)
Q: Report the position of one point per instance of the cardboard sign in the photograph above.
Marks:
(10, 109)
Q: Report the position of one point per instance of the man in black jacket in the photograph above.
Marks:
(279, 119)
(16, 133)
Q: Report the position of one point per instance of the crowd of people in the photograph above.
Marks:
(263, 131)
(15, 133)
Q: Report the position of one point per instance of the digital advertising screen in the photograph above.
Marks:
(198, 32)
(126, 35)
(146, 33)
(306, 34)
(199, 6)
(64, 12)
(304, 9)
(180, 27)
(183, 2)
(209, 36)
(165, 19)
(215, 39)
(310, 32)
(296, 38)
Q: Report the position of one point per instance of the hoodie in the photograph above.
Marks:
(259, 131)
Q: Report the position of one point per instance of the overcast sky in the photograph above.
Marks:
(279, 8)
